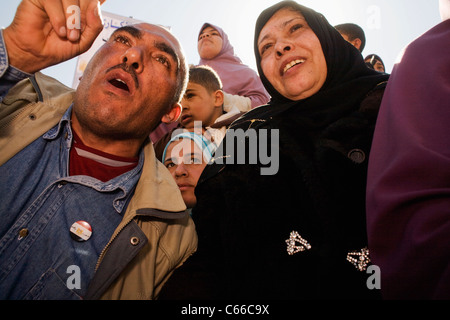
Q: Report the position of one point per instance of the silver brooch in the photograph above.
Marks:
(360, 259)
(295, 238)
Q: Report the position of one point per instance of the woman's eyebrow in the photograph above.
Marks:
(168, 160)
(263, 39)
(283, 25)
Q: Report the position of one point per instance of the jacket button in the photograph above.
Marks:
(134, 241)
(61, 184)
(23, 233)
(357, 156)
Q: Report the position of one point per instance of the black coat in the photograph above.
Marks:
(244, 218)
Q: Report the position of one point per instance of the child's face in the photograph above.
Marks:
(185, 162)
(200, 105)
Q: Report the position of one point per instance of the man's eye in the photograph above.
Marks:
(164, 61)
(122, 39)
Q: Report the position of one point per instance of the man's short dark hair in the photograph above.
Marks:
(353, 31)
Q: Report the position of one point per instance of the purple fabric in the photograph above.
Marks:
(237, 78)
(408, 194)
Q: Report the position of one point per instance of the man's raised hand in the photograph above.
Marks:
(47, 32)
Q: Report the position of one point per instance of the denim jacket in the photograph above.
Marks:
(152, 234)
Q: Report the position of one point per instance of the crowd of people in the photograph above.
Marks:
(148, 178)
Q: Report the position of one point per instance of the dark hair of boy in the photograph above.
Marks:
(353, 31)
(206, 77)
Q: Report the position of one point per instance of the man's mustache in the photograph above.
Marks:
(128, 69)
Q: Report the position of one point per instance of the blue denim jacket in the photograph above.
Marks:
(37, 251)
(9, 74)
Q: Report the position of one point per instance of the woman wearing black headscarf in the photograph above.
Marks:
(298, 232)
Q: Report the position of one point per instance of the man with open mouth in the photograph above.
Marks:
(87, 210)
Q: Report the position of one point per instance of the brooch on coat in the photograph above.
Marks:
(360, 259)
(296, 243)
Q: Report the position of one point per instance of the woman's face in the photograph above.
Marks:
(292, 58)
(209, 43)
(184, 159)
(377, 65)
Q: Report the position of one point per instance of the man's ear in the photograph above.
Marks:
(173, 114)
(357, 43)
(219, 98)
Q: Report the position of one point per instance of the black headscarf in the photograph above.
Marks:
(348, 78)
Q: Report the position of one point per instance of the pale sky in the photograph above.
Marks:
(389, 24)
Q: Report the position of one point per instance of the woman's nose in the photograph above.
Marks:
(205, 35)
(180, 170)
(283, 48)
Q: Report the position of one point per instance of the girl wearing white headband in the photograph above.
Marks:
(186, 155)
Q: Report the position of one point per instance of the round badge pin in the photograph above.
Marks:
(80, 231)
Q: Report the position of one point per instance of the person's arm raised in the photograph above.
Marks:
(43, 32)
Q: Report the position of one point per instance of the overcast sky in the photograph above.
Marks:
(389, 24)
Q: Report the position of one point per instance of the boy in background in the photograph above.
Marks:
(354, 34)
(202, 108)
